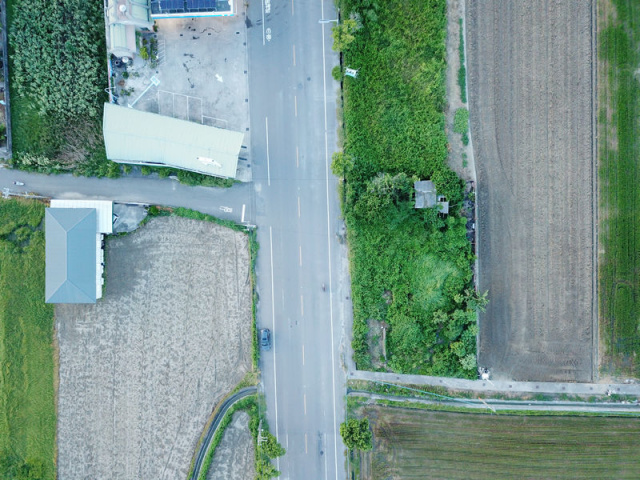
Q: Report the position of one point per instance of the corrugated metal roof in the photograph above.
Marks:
(104, 211)
(132, 136)
(70, 272)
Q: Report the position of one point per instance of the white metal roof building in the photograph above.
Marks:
(142, 138)
(104, 211)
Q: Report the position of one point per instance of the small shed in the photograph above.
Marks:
(427, 197)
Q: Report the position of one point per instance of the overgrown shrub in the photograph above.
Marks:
(411, 269)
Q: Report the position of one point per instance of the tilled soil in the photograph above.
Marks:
(530, 79)
(142, 369)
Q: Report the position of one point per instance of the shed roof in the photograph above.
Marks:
(425, 194)
(133, 136)
(70, 272)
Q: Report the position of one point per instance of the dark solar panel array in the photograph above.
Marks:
(186, 6)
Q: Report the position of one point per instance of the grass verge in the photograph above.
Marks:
(27, 394)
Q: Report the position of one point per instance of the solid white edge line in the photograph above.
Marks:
(266, 129)
(326, 154)
(273, 339)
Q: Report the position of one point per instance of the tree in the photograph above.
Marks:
(343, 34)
(271, 447)
(356, 434)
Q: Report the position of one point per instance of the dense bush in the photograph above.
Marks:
(410, 268)
(58, 71)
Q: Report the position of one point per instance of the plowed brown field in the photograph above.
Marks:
(530, 67)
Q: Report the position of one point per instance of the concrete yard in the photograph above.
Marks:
(530, 67)
(141, 370)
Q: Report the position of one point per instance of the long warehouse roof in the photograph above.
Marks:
(133, 136)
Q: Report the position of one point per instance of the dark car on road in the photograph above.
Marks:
(265, 339)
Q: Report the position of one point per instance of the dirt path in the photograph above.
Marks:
(461, 158)
(531, 93)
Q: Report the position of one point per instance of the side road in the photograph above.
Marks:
(511, 405)
(581, 389)
(224, 203)
(204, 446)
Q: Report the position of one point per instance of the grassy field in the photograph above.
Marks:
(619, 177)
(27, 409)
(410, 269)
(423, 444)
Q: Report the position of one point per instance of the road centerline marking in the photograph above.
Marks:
(273, 330)
(306, 449)
(301, 305)
(266, 127)
(295, 104)
(298, 207)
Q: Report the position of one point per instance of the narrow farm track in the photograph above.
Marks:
(530, 67)
(206, 442)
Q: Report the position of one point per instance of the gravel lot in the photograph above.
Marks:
(530, 79)
(142, 369)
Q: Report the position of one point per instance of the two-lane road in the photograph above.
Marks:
(293, 125)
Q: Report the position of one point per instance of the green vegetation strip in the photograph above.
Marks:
(462, 71)
(619, 177)
(27, 396)
(411, 269)
(429, 444)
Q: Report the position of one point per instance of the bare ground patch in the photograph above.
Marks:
(141, 370)
(531, 89)
(234, 457)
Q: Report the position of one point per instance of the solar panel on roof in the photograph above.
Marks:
(201, 4)
(171, 5)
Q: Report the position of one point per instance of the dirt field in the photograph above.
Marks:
(142, 369)
(234, 457)
(531, 89)
(420, 444)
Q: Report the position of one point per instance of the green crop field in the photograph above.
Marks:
(27, 405)
(619, 177)
(421, 444)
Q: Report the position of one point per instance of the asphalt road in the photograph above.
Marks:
(293, 132)
(148, 190)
